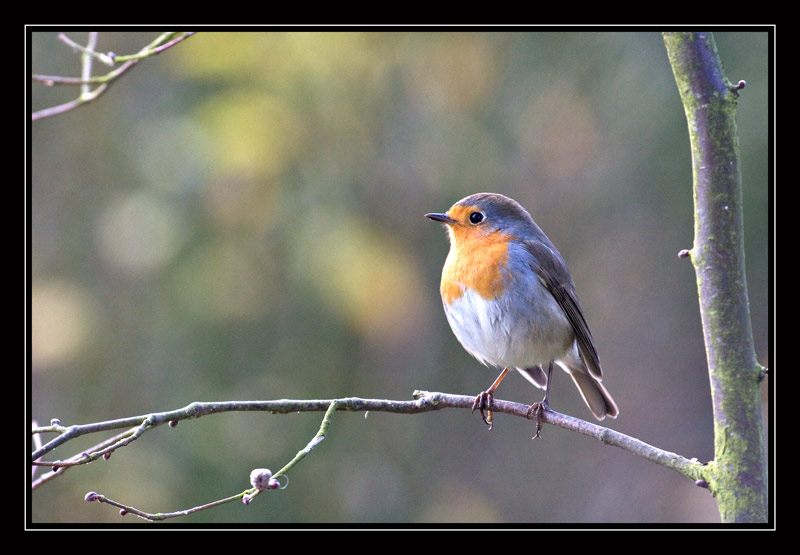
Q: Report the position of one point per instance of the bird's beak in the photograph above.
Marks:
(444, 218)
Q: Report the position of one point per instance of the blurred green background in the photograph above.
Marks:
(241, 217)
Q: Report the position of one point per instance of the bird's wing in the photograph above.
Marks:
(553, 273)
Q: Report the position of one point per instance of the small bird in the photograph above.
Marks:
(511, 302)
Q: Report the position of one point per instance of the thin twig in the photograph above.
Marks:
(125, 509)
(86, 64)
(61, 466)
(52, 80)
(88, 49)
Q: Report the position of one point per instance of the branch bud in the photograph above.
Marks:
(261, 478)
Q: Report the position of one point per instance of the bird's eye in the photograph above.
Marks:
(476, 218)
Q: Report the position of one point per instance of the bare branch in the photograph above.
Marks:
(424, 401)
(163, 42)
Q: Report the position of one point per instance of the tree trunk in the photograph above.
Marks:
(737, 477)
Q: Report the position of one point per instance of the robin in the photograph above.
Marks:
(511, 302)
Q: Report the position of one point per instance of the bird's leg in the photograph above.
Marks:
(537, 409)
(484, 400)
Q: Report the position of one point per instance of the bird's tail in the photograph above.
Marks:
(594, 393)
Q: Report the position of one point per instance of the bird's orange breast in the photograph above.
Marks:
(475, 261)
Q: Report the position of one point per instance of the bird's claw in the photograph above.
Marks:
(483, 402)
(537, 410)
